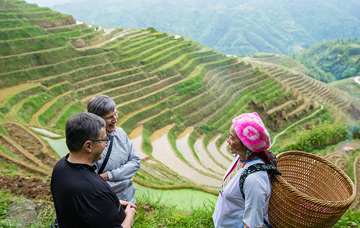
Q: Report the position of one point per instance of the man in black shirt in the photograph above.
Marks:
(81, 197)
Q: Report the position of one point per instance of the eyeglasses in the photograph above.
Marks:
(113, 116)
(107, 139)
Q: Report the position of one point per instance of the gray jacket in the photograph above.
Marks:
(123, 163)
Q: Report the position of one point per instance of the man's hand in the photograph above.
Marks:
(126, 203)
(104, 176)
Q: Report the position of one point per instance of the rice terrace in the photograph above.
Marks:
(176, 100)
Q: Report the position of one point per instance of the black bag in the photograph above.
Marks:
(107, 156)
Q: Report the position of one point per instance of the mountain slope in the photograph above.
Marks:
(230, 26)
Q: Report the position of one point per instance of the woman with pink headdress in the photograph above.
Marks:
(244, 201)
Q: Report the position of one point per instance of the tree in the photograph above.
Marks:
(350, 72)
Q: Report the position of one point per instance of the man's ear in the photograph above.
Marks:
(87, 146)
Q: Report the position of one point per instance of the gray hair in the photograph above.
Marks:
(101, 105)
(82, 127)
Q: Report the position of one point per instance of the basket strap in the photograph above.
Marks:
(254, 168)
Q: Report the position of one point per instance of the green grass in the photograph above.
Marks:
(262, 55)
(145, 101)
(2, 118)
(55, 108)
(349, 169)
(291, 136)
(29, 107)
(19, 46)
(73, 109)
(146, 146)
(46, 57)
(323, 135)
(159, 121)
(350, 219)
(21, 33)
(8, 169)
(14, 23)
(59, 69)
(11, 101)
(151, 212)
(5, 200)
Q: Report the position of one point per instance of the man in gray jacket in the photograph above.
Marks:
(123, 162)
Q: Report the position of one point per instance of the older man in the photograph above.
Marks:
(81, 197)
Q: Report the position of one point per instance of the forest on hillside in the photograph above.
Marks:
(332, 60)
(230, 26)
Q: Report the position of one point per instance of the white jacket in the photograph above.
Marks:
(123, 163)
(232, 210)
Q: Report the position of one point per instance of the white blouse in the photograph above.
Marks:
(232, 210)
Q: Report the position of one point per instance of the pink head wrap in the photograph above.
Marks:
(252, 132)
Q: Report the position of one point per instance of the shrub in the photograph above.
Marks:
(318, 137)
(153, 213)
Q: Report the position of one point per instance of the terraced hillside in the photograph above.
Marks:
(176, 98)
(292, 73)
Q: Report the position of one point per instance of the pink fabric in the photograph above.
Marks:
(252, 132)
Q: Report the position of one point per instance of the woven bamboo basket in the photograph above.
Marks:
(311, 192)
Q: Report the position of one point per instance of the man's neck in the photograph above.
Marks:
(79, 158)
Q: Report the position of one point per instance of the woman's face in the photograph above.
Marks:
(111, 119)
(235, 144)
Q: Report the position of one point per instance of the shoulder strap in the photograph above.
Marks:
(254, 168)
(107, 156)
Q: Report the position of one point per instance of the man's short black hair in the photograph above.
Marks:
(82, 127)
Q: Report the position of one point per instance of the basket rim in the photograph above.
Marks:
(305, 197)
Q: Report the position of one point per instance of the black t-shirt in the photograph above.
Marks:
(82, 198)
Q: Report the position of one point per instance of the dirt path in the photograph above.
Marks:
(340, 147)
(163, 152)
(357, 79)
(341, 163)
(274, 139)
